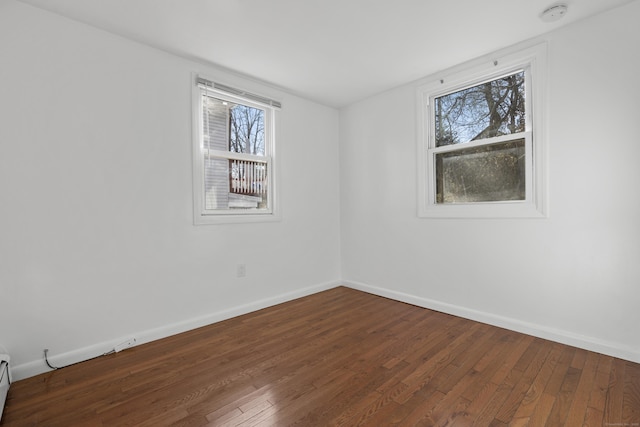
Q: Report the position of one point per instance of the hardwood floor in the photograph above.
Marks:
(337, 358)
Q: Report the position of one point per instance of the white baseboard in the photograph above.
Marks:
(36, 367)
(551, 334)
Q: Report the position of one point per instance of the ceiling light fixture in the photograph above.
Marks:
(554, 13)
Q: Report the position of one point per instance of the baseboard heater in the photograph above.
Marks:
(5, 381)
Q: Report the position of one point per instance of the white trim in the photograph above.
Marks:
(480, 143)
(552, 334)
(241, 95)
(532, 59)
(35, 367)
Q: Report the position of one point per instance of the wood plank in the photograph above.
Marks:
(615, 394)
(541, 412)
(631, 395)
(564, 398)
(580, 402)
(534, 393)
(519, 390)
(336, 358)
(598, 395)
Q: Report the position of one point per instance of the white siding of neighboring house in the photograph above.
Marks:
(215, 122)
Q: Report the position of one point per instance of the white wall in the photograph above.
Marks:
(96, 235)
(97, 238)
(574, 277)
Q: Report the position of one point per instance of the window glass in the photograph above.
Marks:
(233, 183)
(246, 133)
(487, 173)
(487, 110)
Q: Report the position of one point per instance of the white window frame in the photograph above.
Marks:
(533, 61)
(203, 216)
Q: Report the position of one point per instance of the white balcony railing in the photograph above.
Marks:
(248, 177)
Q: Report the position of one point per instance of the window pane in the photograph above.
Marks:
(484, 111)
(215, 122)
(246, 133)
(482, 174)
(248, 184)
(235, 184)
(216, 183)
(233, 127)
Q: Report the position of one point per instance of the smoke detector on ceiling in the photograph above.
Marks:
(554, 13)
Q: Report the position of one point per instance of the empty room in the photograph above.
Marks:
(319, 213)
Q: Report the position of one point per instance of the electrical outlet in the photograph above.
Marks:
(124, 345)
(241, 270)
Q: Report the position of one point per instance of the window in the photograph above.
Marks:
(233, 154)
(481, 140)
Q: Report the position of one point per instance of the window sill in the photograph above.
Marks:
(235, 218)
(483, 211)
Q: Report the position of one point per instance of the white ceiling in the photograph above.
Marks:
(332, 51)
